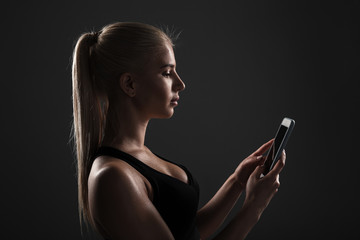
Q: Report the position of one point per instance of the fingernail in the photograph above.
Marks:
(259, 157)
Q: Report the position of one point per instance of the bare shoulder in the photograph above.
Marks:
(109, 175)
(105, 167)
(119, 202)
(110, 184)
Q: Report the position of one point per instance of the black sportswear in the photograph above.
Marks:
(176, 201)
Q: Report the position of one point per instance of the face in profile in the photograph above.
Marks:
(158, 85)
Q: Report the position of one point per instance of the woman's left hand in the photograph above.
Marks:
(248, 165)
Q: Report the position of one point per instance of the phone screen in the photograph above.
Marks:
(274, 149)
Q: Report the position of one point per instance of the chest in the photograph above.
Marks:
(164, 167)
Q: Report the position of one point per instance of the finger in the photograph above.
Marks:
(277, 182)
(258, 171)
(261, 150)
(283, 156)
(278, 166)
(262, 161)
(254, 161)
(259, 160)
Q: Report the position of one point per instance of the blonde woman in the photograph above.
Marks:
(123, 76)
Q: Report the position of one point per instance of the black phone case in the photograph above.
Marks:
(283, 144)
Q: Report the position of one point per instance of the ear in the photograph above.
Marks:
(127, 84)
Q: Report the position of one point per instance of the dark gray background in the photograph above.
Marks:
(246, 65)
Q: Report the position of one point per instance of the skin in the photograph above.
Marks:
(120, 198)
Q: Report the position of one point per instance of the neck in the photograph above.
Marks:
(126, 130)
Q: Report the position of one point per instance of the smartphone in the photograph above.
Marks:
(281, 138)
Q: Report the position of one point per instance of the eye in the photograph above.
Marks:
(166, 74)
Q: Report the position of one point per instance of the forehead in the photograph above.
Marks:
(165, 55)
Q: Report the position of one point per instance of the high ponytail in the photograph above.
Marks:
(88, 116)
(99, 59)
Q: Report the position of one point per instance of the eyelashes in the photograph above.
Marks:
(166, 74)
(170, 72)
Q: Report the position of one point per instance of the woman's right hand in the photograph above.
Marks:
(260, 190)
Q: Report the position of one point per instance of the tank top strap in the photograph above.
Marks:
(113, 152)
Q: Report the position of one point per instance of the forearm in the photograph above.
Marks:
(212, 215)
(241, 225)
(259, 192)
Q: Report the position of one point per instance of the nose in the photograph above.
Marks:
(179, 85)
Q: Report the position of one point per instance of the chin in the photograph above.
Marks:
(169, 115)
(165, 115)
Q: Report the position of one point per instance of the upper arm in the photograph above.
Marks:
(119, 203)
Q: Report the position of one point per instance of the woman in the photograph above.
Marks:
(123, 76)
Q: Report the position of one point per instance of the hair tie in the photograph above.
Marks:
(94, 36)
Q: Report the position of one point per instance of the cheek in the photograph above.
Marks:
(160, 91)
(156, 93)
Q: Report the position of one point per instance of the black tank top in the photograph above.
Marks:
(176, 201)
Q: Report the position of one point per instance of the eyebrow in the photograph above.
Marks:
(167, 65)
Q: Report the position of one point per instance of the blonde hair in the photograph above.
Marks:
(99, 59)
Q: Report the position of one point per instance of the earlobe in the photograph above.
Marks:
(127, 84)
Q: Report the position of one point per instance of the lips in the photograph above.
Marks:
(175, 100)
